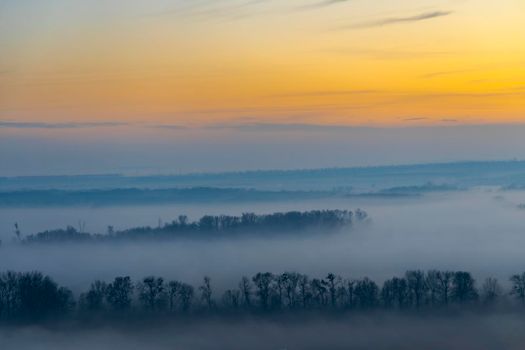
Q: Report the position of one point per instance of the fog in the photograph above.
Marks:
(461, 332)
(481, 231)
(477, 229)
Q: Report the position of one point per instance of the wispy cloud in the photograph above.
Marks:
(212, 9)
(387, 54)
(327, 93)
(415, 119)
(397, 20)
(278, 127)
(170, 126)
(320, 4)
(445, 73)
(61, 125)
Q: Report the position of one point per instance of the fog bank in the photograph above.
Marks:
(376, 331)
(479, 231)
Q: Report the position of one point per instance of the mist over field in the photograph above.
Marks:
(480, 229)
(414, 222)
(366, 332)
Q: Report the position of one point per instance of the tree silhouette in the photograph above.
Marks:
(206, 293)
(463, 287)
(119, 293)
(263, 282)
(93, 300)
(518, 287)
(152, 293)
(34, 297)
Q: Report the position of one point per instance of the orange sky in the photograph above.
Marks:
(358, 62)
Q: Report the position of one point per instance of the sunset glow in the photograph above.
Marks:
(231, 61)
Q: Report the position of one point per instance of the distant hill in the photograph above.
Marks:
(360, 179)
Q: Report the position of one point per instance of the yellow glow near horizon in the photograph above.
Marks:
(354, 62)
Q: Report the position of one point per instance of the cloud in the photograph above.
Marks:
(387, 54)
(63, 125)
(170, 126)
(395, 20)
(451, 72)
(250, 124)
(320, 4)
(277, 126)
(327, 93)
(210, 9)
(415, 119)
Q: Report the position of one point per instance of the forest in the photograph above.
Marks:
(209, 226)
(32, 297)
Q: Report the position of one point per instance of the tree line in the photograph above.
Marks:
(33, 297)
(213, 226)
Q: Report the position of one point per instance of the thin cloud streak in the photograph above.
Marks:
(312, 127)
(66, 125)
(386, 54)
(328, 93)
(444, 73)
(397, 20)
(209, 9)
(320, 4)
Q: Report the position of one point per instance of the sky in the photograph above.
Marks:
(195, 79)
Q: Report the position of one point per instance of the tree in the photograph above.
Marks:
(39, 297)
(206, 293)
(333, 283)
(231, 299)
(152, 293)
(186, 293)
(8, 294)
(366, 293)
(174, 288)
(387, 294)
(119, 293)
(291, 283)
(416, 287)
(319, 292)
(245, 288)
(433, 287)
(518, 287)
(463, 287)
(395, 293)
(183, 220)
(17, 232)
(350, 299)
(445, 281)
(304, 291)
(263, 282)
(490, 290)
(93, 300)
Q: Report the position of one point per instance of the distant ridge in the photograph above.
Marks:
(455, 164)
(361, 179)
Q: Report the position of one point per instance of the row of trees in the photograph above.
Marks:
(35, 297)
(216, 226)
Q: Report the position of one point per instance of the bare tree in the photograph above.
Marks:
(263, 283)
(206, 293)
(17, 232)
(152, 293)
(416, 287)
(245, 288)
(518, 287)
(490, 290)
